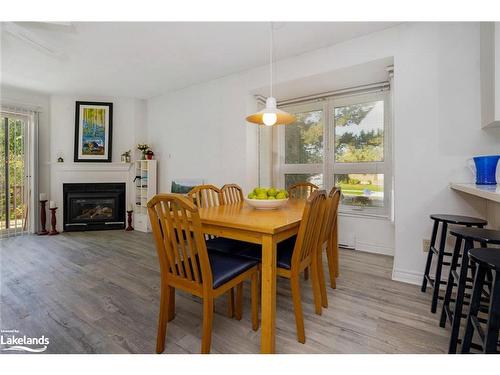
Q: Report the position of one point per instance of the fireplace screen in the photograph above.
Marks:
(94, 206)
(93, 209)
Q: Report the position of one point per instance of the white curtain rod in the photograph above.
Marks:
(379, 86)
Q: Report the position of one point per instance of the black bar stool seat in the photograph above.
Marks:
(444, 220)
(486, 260)
(460, 278)
(488, 236)
(459, 219)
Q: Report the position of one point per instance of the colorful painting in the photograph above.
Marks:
(93, 130)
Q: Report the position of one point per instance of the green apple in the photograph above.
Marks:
(262, 196)
(251, 196)
(280, 195)
(270, 197)
(272, 192)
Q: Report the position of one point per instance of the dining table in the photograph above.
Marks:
(240, 221)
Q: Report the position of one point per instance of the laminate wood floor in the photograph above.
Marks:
(98, 292)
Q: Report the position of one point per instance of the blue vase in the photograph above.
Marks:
(486, 169)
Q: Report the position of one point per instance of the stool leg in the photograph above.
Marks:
(493, 317)
(457, 312)
(473, 308)
(429, 255)
(451, 281)
(437, 278)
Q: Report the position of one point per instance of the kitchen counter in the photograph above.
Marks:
(490, 192)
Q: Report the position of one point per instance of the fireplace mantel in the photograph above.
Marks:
(91, 167)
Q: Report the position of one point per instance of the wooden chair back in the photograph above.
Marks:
(301, 190)
(180, 243)
(231, 193)
(205, 196)
(310, 231)
(331, 213)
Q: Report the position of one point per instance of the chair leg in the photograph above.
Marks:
(230, 303)
(451, 281)
(429, 255)
(336, 249)
(208, 315)
(321, 274)
(171, 304)
(331, 264)
(306, 274)
(297, 307)
(439, 267)
(238, 304)
(316, 287)
(475, 303)
(459, 298)
(255, 301)
(493, 327)
(163, 318)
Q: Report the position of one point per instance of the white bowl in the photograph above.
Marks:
(266, 204)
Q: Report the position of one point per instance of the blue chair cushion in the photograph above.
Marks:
(228, 245)
(227, 267)
(284, 253)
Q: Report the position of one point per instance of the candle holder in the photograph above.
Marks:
(53, 221)
(43, 218)
(129, 221)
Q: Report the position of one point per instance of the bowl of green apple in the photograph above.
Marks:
(267, 198)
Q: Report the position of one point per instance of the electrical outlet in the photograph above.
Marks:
(425, 245)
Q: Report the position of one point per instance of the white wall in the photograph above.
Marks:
(129, 128)
(436, 127)
(438, 117)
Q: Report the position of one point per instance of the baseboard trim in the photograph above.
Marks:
(372, 248)
(409, 277)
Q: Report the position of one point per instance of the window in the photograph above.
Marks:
(302, 143)
(341, 141)
(13, 189)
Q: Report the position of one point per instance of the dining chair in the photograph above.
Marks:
(231, 193)
(186, 264)
(329, 235)
(301, 190)
(211, 196)
(300, 252)
(332, 239)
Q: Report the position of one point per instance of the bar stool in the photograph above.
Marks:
(486, 260)
(444, 220)
(470, 235)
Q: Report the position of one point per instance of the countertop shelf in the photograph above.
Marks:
(490, 192)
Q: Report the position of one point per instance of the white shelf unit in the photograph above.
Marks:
(144, 190)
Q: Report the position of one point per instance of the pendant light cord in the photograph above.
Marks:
(271, 60)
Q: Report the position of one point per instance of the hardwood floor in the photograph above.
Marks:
(98, 292)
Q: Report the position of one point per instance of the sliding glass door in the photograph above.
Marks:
(14, 187)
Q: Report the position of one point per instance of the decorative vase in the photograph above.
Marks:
(149, 156)
(143, 155)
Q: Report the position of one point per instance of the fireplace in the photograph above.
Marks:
(89, 206)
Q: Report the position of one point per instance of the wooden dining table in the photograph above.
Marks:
(266, 227)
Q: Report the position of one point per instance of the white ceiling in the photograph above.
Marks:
(146, 59)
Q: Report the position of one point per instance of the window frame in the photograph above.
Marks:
(330, 167)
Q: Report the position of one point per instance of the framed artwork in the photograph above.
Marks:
(93, 132)
(184, 185)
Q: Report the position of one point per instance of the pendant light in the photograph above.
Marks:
(271, 115)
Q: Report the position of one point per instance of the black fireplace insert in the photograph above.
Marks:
(94, 206)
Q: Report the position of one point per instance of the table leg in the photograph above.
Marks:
(268, 294)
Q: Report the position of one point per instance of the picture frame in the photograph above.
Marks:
(93, 132)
